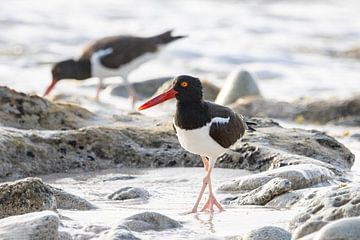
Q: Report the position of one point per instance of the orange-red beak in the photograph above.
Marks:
(158, 99)
(50, 87)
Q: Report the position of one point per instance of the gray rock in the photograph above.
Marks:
(144, 89)
(23, 111)
(352, 52)
(308, 228)
(239, 83)
(329, 205)
(336, 111)
(348, 228)
(65, 200)
(119, 232)
(129, 193)
(267, 233)
(24, 153)
(65, 236)
(297, 198)
(118, 177)
(31, 226)
(300, 176)
(261, 195)
(272, 146)
(260, 107)
(356, 136)
(150, 221)
(25, 196)
(96, 228)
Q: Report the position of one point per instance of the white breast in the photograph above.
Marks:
(98, 70)
(199, 141)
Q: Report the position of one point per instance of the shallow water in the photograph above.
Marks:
(173, 191)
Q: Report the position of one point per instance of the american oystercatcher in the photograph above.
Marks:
(202, 127)
(110, 57)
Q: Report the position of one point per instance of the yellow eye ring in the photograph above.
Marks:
(184, 84)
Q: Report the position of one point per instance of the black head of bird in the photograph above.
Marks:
(68, 69)
(184, 88)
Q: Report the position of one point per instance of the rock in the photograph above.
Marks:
(262, 194)
(65, 200)
(272, 146)
(331, 110)
(144, 89)
(210, 91)
(308, 228)
(96, 228)
(299, 176)
(24, 153)
(293, 198)
(267, 233)
(239, 83)
(351, 121)
(326, 206)
(347, 228)
(23, 111)
(120, 232)
(129, 193)
(64, 236)
(31, 226)
(25, 196)
(356, 136)
(261, 107)
(118, 177)
(335, 111)
(150, 221)
(353, 52)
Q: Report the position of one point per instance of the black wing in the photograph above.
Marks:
(226, 134)
(123, 49)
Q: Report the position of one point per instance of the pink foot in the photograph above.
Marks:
(209, 205)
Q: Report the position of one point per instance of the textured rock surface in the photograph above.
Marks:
(22, 111)
(32, 226)
(272, 146)
(326, 206)
(262, 194)
(65, 200)
(346, 112)
(267, 233)
(150, 221)
(348, 228)
(300, 176)
(119, 232)
(24, 153)
(24, 196)
(129, 193)
(239, 83)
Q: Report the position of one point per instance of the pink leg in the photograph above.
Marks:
(209, 205)
(132, 96)
(203, 186)
(131, 92)
(98, 89)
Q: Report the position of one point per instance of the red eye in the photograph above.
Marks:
(184, 84)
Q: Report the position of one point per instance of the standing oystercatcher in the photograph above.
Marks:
(202, 127)
(110, 57)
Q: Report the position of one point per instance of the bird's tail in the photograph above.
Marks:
(249, 126)
(166, 37)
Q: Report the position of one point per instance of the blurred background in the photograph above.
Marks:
(295, 48)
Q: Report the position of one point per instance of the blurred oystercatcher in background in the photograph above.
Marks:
(202, 127)
(110, 57)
